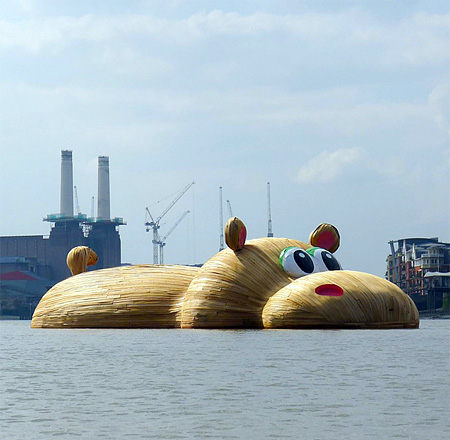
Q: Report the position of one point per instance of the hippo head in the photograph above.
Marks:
(285, 283)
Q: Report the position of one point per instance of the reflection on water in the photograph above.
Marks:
(206, 384)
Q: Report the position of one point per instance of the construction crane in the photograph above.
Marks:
(269, 213)
(77, 205)
(221, 245)
(230, 211)
(162, 241)
(154, 224)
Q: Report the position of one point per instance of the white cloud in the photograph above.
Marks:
(327, 166)
(439, 102)
(26, 5)
(133, 136)
(418, 39)
(343, 111)
(132, 63)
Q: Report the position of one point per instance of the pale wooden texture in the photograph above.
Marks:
(367, 302)
(79, 258)
(146, 296)
(232, 288)
(243, 289)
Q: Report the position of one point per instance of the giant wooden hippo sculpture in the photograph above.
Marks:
(261, 283)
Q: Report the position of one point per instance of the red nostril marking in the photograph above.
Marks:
(329, 290)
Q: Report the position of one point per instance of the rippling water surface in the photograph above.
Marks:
(192, 384)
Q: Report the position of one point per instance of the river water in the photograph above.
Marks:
(207, 384)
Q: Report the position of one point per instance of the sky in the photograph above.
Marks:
(343, 106)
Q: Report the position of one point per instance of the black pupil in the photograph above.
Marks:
(304, 261)
(330, 261)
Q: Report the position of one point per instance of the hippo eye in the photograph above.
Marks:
(324, 260)
(330, 262)
(296, 262)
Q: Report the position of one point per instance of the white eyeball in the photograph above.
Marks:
(296, 262)
(325, 260)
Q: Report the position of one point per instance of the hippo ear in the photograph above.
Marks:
(235, 233)
(325, 236)
(79, 258)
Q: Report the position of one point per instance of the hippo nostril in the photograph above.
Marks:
(329, 290)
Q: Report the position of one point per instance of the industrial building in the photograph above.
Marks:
(30, 265)
(421, 268)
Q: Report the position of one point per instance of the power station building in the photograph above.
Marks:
(30, 265)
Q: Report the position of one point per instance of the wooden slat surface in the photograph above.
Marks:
(232, 288)
(242, 289)
(147, 296)
(368, 302)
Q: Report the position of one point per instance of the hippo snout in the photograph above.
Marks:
(344, 299)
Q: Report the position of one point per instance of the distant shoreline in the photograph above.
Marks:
(438, 314)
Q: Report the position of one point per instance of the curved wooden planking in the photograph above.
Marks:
(232, 288)
(144, 296)
(79, 258)
(244, 288)
(367, 302)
